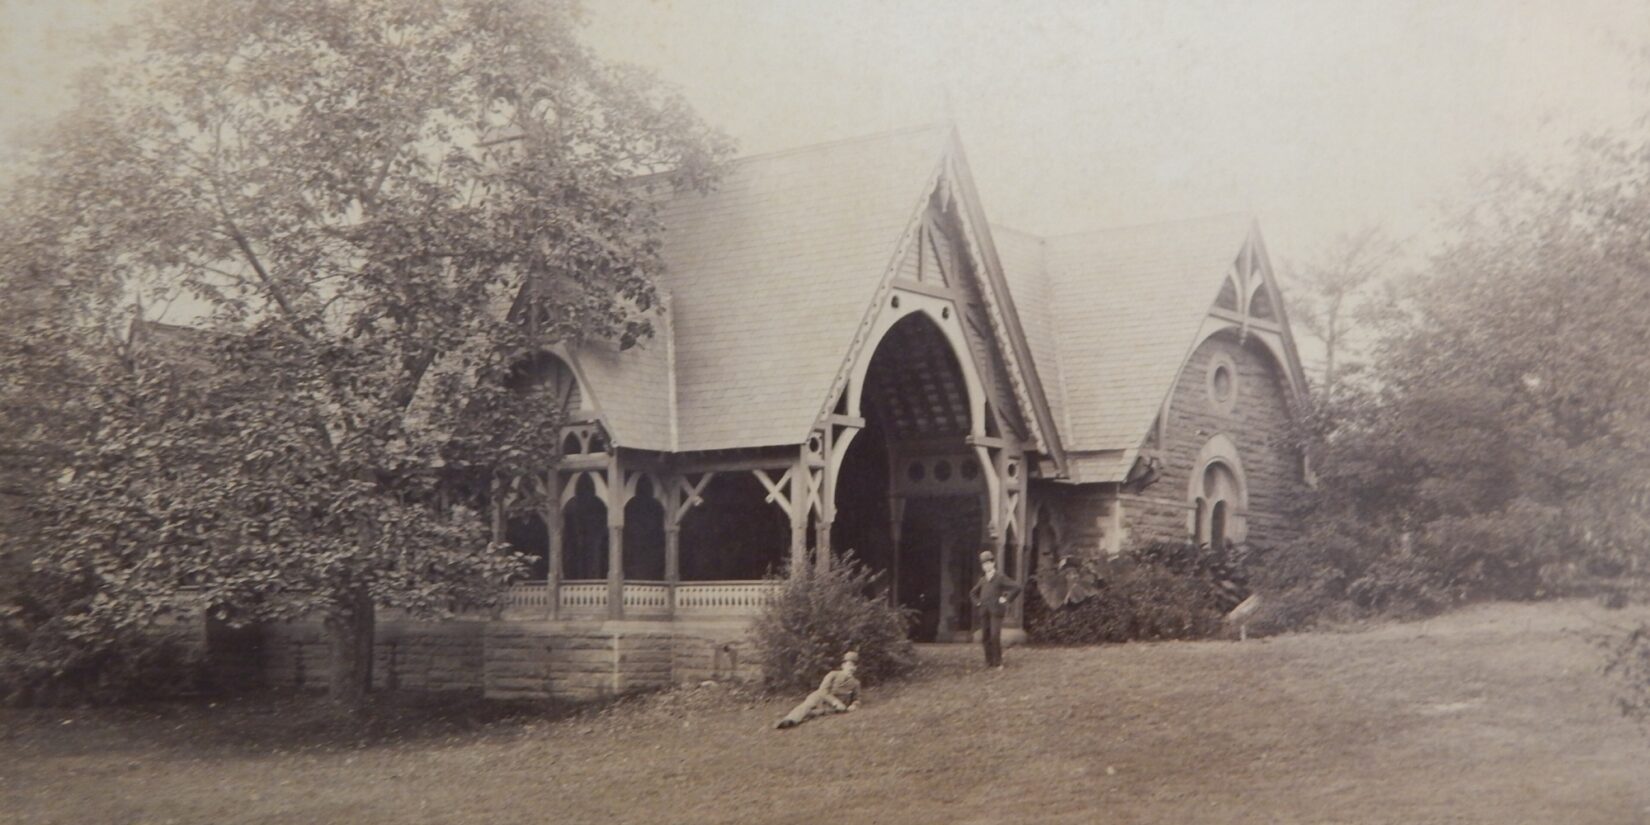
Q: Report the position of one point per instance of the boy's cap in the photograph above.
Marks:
(988, 556)
(850, 656)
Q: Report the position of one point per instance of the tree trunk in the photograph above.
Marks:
(350, 633)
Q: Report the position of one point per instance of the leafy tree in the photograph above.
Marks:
(1334, 292)
(384, 208)
(1497, 446)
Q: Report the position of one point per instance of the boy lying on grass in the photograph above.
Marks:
(839, 693)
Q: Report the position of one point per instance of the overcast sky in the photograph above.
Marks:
(1317, 116)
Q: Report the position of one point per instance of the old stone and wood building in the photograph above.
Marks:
(850, 358)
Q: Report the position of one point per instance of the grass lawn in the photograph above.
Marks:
(1497, 714)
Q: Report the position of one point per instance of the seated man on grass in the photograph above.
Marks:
(839, 693)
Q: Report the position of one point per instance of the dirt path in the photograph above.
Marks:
(1494, 715)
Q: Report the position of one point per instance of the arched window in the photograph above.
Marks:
(1224, 493)
(1217, 526)
(1217, 497)
(1200, 523)
(584, 533)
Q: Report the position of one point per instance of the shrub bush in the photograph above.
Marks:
(53, 669)
(814, 618)
(1167, 590)
(1299, 585)
(56, 650)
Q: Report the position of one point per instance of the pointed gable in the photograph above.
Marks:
(1126, 305)
(937, 261)
(772, 274)
(631, 389)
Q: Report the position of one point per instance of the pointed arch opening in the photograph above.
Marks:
(1261, 305)
(584, 533)
(910, 491)
(1228, 298)
(644, 534)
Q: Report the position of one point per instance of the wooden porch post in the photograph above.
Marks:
(799, 513)
(827, 492)
(822, 525)
(673, 537)
(1022, 525)
(997, 496)
(615, 538)
(552, 515)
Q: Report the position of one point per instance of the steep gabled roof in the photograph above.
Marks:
(1126, 305)
(1023, 256)
(767, 281)
(771, 274)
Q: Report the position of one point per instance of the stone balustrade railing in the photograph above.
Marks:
(584, 596)
(722, 597)
(645, 598)
(529, 594)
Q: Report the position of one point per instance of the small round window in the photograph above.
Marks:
(1223, 383)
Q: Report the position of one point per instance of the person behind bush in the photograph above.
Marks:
(839, 693)
(992, 594)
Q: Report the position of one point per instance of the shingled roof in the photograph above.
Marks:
(769, 277)
(1125, 305)
(1024, 261)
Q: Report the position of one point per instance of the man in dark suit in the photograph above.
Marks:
(992, 594)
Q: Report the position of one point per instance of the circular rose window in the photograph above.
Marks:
(1222, 383)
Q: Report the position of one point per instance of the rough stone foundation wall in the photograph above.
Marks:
(522, 659)
(1082, 518)
(720, 656)
(1155, 519)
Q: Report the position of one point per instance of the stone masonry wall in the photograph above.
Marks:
(1258, 423)
(522, 659)
(431, 656)
(1082, 517)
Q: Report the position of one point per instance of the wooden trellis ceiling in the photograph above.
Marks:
(914, 387)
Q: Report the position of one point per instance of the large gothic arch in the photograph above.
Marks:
(921, 433)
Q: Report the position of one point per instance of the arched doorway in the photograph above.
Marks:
(911, 495)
